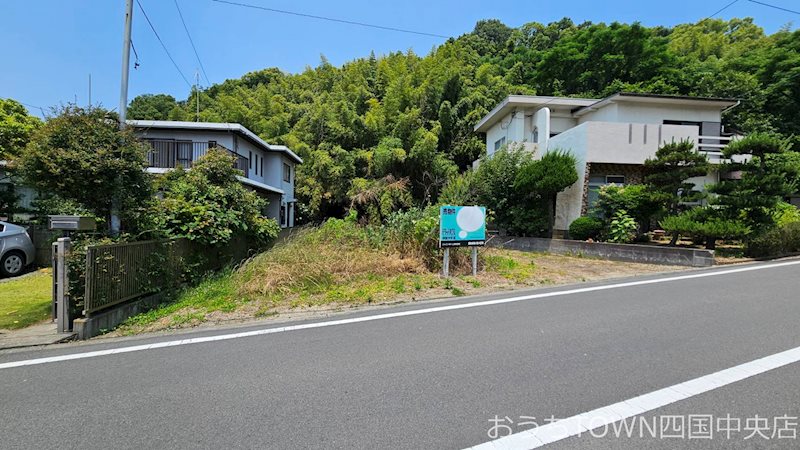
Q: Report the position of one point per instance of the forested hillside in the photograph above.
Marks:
(412, 116)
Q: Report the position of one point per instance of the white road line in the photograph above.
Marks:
(416, 312)
(607, 415)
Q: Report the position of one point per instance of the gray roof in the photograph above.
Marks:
(580, 106)
(215, 126)
(719, 102)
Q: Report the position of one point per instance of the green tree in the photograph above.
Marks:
(209, 205)
(543, 179)
(152, 107)
(754, 197)
(16, 127)
(495, 179)
(81, 155)
(668, 174)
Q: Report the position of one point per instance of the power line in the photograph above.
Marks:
(775, 7)
(192, 42)
(186, 80)
(330, 19)
(723, 8)
(30, 106)
(135, 55)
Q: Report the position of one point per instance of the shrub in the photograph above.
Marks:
(209, 205)
(786, 213)
(703, 225)
(495, 179)
(542, 180)
(461, 189)
(779, 241)
(584, 228)
(622, 228)
(377, 199)
(636, 199)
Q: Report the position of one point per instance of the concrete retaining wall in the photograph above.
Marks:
(85, 328)
(649, 254)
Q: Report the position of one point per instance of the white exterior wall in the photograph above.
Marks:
(559, 124)
(650, 113)
(512, 127)
(541, 120)
(630, 143)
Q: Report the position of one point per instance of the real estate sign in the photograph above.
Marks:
(462, 226)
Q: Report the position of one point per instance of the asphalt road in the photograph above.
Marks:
(431, 380)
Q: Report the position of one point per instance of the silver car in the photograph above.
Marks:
(16, 249)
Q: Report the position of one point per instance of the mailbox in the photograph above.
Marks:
(73, 223)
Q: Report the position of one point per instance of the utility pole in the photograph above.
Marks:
(126, 59)
(123, 100)
(197, 93)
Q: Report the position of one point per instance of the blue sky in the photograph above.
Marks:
(51, 46)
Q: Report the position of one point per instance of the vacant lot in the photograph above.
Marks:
(248, 294)
(25, 300)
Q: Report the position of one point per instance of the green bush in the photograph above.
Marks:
(786, 213)
(636, 199)
(703, 226)
(210, 206)
(622, 228)
(586, 227)
(494, 183)
(779, 241)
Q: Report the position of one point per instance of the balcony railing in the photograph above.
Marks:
(713, 144)
(169, 154)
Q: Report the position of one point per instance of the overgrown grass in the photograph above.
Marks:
(341, 264)
(25, 301)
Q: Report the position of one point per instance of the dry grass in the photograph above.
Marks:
(315, 262)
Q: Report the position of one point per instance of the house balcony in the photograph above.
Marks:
(169, 154)
(712, 147)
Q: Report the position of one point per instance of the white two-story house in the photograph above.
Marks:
(611, 137)
(267, 169)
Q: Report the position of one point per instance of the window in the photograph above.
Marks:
(250, 159)
(256, 157)
(183, 154)
(283, 215)
(615, 179)
(262, 166)
(287, 173)
(498, 144)
(212, 144)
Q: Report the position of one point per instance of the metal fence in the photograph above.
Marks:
(117, 273)
(168, 154)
